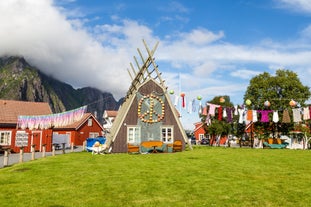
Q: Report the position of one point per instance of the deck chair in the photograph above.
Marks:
(99, 149)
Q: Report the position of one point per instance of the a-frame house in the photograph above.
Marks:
(147, 113)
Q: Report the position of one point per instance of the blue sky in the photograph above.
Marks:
(208, 47)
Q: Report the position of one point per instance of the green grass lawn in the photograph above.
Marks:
(205, 176)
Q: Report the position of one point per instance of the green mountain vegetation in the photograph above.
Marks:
(21, 81)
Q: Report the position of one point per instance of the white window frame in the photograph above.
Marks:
(93, 134)
(133, 134)
(90, 122)
(167, 134)
(5, 137)
(201, 136)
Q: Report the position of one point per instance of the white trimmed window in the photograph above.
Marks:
(133, 134)
(89, 122)
(5, 137)
(201, 136)
(167, 134)
(93, 134)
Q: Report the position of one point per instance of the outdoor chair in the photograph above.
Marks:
(132, 148)
(100, 149)
(177, 146)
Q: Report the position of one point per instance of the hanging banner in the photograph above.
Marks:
(51, 120)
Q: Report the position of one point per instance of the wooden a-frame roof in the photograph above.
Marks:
(147, 71)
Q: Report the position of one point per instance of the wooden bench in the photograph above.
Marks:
(132, 148)
(275, 146)
(177, 146)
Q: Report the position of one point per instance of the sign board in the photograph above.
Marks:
(21, 139)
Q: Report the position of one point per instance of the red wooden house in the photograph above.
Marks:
(14, 137)
(199, 132)
(77, 132)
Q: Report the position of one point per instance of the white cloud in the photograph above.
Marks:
(99, 56)
(174, 7)
(295, 5)
(306, 32)
(244, 74)
(205, 69)
(201, 36)
(41, 33)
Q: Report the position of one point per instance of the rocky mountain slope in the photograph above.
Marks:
(21, 81)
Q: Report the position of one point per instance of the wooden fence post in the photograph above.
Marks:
(43, 150)
(6, 157)
(33, 152)
(21, 154)
(64, 148)
(53, 150)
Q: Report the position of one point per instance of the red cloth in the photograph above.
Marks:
(204, 111)
(220, 113)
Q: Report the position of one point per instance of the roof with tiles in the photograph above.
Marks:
(110, 113)
(198, 125)
(10, 110)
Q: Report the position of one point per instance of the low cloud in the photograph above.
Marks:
(41, 33)
(63, 46)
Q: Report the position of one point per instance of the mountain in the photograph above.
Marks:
(21, 81)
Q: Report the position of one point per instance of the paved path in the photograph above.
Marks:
(14, 157)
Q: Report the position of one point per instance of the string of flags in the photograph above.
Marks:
(244, 115)
(247, 115)
(51, 120)
(191, 106)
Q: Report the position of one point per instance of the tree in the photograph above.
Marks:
(279, 90)
(306, 134)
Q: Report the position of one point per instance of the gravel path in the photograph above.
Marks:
(14, 157)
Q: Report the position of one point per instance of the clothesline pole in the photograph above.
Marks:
(179, 92)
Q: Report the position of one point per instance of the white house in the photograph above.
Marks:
(109, 117)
